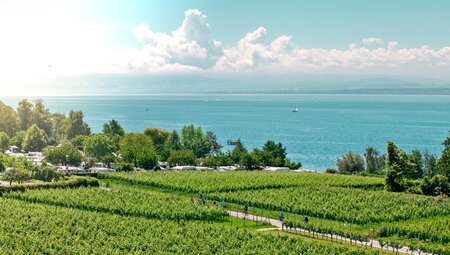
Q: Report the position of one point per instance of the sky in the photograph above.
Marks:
(319, 37)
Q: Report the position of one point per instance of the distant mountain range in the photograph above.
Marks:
(229, 83)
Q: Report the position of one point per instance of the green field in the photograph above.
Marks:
(153, 213)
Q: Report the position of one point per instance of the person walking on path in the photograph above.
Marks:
(203, 201)
(281, 218)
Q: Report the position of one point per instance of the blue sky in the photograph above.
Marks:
(325, 23)
(351, 37)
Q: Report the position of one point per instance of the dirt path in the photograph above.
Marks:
(278, 224)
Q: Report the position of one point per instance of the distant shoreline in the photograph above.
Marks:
(442, 91)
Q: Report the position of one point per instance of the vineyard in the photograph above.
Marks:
(342, 204)
(353, 207)
(123, 202)
(196, 181)
(154, 213)
(24, 225)
(435, 229)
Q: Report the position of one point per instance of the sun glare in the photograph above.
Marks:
(45, 39)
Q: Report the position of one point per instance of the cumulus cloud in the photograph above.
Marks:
(372, 40)
(190, 48)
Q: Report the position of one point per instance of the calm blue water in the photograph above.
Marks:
(325, 127)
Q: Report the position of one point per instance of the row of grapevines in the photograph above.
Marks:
(213, 181)
(342, 204)
(435, 229)
(122, 202)
(27, 228)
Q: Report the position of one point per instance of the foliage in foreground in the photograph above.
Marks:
(122, 202)
(342, 204)
(213, 181)
(70, 231)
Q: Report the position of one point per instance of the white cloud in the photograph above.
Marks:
(372, 40)
(190, 48)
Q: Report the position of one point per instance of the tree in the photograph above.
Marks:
(76, 125)
(429, 164)
(416, 158)
(397, 157)
(2, 162)
(238, 152)
(41, 117)
(46, 174)
(158, 136)
(113, 128)
(217, 160)
(25, 112)
(35, 139)
(375, 162)
(394, 178)
(274, 154)
(211, 138)
(66, 154)
(100, 147)
(193, 139)
(443, 164)
(78, 141)
(9, 120)
(138, 149)
(59, 127)
(181, 158)
(173, 142)
(16, 174)
(392, 154)
(352, 162)
(18, 139)
(438, 185)
(4, 141)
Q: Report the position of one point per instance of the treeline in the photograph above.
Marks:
(67, 140)
(416, 172)
(32, 127)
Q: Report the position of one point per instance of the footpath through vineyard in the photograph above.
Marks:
(279, 224)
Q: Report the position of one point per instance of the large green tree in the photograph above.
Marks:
(76, 125)
(181, 158)
(9, 120)
(41, 117)
(35, 139)
(375, 162)
(59, 127)
(443, 164)
(66, 154)
(25, 112)
(113, 128)
(138, 149)
(4, 141)
(18, 139)
(273, 154)
(194, 139)
(351, 162)
(429, 164)
(16, 174)
(158, 135)
(417, 159)
(100, 147)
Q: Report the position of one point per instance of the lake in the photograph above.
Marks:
(324, 128)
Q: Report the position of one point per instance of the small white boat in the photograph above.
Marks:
(295, 109)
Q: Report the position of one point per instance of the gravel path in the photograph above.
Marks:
(278, 224)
